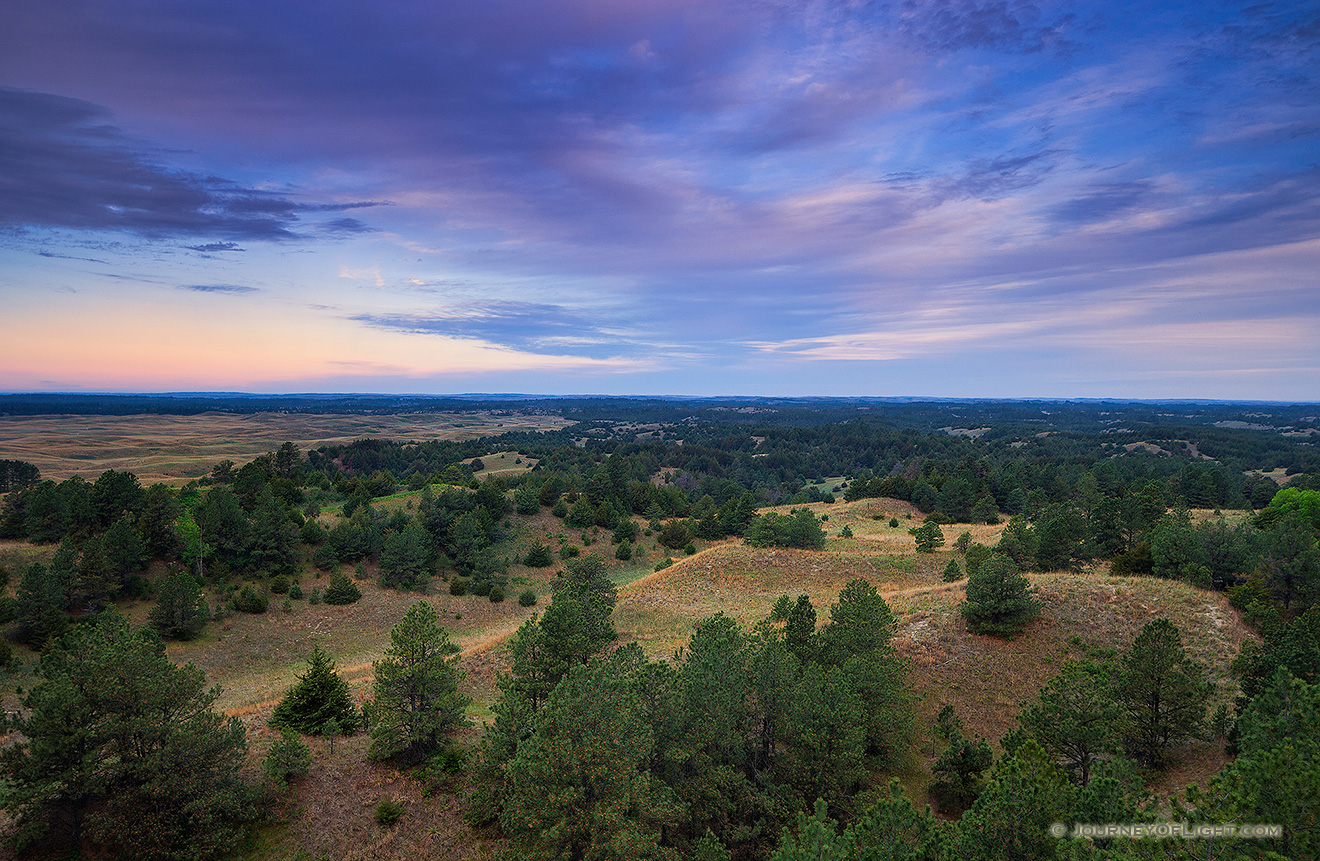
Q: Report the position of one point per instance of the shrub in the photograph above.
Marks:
(288, 758)
(952, 571)
(249, 601)
(482, 588)
(568, 551)
(663, 564)
(388, 812)
(295, 591)
(527, 598)
(279, 585)
(561, 509)
(538, 556)
(893, 523)
(496, 594)
(623, 551)
(342, 590)
(314, 597)
(846, 532)
(674, 534)
(458, 586)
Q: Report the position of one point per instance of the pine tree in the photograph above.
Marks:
(180, 612)
(1076, 717)
(1163, 692)
(342, 590)
(417, 702)
(122, 750)
(320, 695)
(999, 599)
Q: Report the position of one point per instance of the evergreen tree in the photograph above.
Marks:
(319, 696)
(929, 536)
(958, 771)
(1024, 794)
(952, 571)
(538, 556)
(274, 541)
(578, 785)
(123, 750)
(1076, 717)
(180, 612)
(342, 590)
(123, 550)
(1163, 693)
(287, 759)
(40, 606)
(416, 702)
(408, 559)
(999, 599)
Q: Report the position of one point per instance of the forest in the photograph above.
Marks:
(789, 734)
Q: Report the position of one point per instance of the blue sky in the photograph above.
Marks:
(991, 199)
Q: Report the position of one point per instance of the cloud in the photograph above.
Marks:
(64, 166)
(535, 328)
(216, 246)
(218, 288)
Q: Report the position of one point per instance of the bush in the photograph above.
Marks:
(288, 758)
(458, 586)
(527, 598)
(663, 564)
(538, 556)
(342, 591)
(249, 601)
(481, 588)
(279, 585)
(388, 812)
(952, 571)
(561, 509)
(846, 532)
(624, 551)
(295, 591)
(893, 523)
(496, 594)
(568, 551)
(314, 597)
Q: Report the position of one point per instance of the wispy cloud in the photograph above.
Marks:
(219, 288)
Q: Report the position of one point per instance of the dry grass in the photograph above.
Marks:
(175, 449)
(331, 813)
(988, 680)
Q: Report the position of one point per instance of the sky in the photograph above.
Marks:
(950, 198)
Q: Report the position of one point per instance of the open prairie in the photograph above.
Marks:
(176, 449)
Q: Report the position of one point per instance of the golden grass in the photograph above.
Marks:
(175, 449)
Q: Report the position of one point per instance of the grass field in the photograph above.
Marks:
(176, 449)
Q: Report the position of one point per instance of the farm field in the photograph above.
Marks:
(176, 449)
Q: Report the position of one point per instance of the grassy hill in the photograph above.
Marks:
(255, 658)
